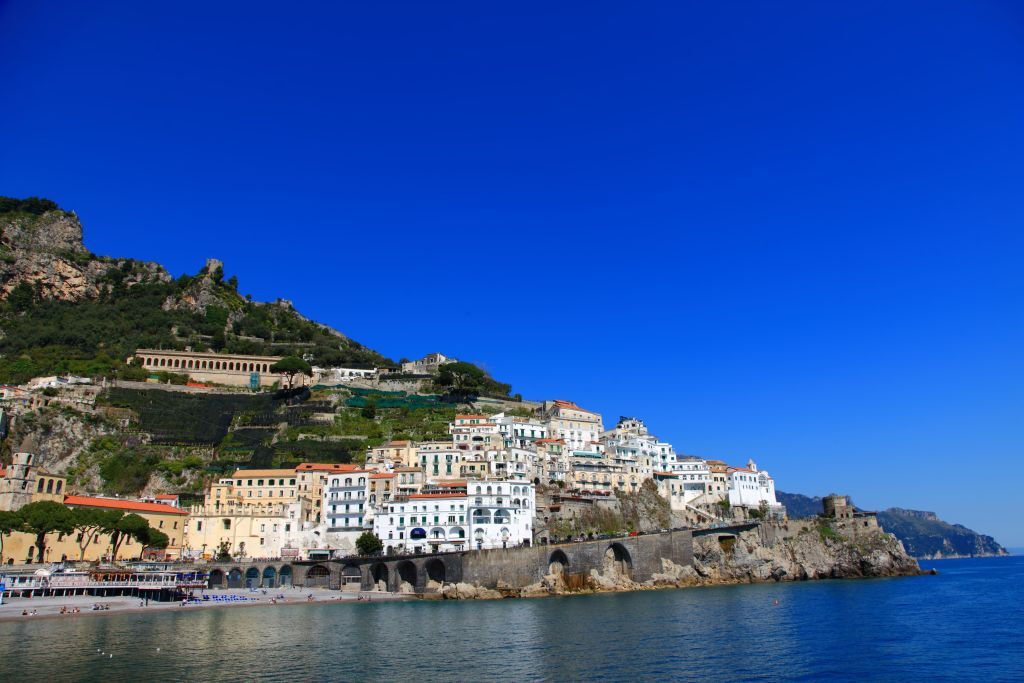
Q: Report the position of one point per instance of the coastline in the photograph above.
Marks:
(49, 607)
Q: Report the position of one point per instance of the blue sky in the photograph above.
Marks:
(785, 231)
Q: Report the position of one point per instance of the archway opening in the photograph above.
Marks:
(557, 563)
(285, 577)
(379, 574)
(252, 577)
(407, 573)
(216, 579)
(351, 577)
(235, 578)
(617, 561)
(269, 577)
(435, 570)
(318, 575)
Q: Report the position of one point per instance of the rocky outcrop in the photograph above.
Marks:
(769, 554)
(46, 253)
(927, 536)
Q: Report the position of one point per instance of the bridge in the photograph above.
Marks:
(635, 557)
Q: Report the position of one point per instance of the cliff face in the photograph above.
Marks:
(46, 253)
(922, 533)
(927, 536)
(798, 552)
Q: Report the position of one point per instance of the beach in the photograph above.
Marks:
(50, 607)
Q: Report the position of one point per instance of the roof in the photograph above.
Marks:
(472, 417)
(121, 504)
(166, 496)
(3, 472)
(569, 405)
(400, 442)
(383, 475)
(326, 466)
(263, 473)
(437, 495)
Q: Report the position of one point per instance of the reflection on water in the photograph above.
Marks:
(966, 622)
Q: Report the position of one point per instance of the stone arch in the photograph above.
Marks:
(558, 562)
(435, 570)
(252, 577)
(617, 561)
(406, 571)
(379, 576)
(235, 578)
(350, 576)
(318, 575)
(284, 577)
(216, 579)
(269, 578)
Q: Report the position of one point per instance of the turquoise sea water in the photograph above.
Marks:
(965, 623)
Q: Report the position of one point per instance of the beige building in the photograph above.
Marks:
(22, 482)
(399, 453)
(220, 368)
(20, 547)
(577, 427)
(430, 364)
(312, 478)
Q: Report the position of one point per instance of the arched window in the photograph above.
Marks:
(39, 489)
(479, 490)
(49, 486)
(488, 490)
(362, 481)
(60, 485)
(334, 482)
(348, 481)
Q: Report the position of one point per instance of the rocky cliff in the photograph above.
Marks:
(44, 253)
(922, 533)
(791, 551)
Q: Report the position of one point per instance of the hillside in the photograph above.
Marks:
(923, 534)
(67, 310)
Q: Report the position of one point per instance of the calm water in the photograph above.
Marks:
(968, 622)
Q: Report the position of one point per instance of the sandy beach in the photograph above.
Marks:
(50, 607)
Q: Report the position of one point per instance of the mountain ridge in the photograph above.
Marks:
(922, 532)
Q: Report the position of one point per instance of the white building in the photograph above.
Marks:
(519, 432)
(493, 514)
(422, 523)
(475, 433)
(577, 427)
(749, 487)
(345, 501)
(501, 513)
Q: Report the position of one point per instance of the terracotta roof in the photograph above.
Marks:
(569, 405)
(166, 496)
(327, 466)
(383, 475)
(401, 442)
(3, 473)
(263, 473)
(120, 504)
(437, 495)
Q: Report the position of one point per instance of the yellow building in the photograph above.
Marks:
(20, 547)
(312, 478)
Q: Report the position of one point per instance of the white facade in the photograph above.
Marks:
(344, 508)
(748, 487)
(424, 522)
(519, 432)
(501, 513)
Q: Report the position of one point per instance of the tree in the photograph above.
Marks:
(368, 544)
(460, 379)
(89, 523)
(45, 517)
(129, 526)
(9, 522)
(155, 539)
(291, 366)
(224, 551)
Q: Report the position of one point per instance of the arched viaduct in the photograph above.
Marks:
(635, 557)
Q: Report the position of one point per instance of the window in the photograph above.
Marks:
(227, 523)
(199, 525)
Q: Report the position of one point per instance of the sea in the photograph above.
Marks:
(966, 623)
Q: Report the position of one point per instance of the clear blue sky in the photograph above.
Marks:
(786, 231)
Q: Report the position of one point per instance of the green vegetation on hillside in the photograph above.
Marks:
(33, 205)
(43, 337)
